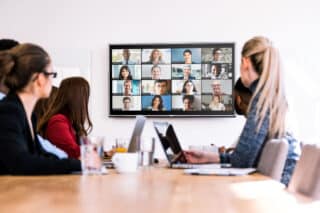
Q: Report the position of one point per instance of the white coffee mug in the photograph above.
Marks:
(125, 162)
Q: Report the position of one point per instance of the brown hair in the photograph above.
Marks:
(43, 104)
(72, 101)
(18, 65)
(266, 62)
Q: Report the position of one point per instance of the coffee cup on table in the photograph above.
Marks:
(125, 162)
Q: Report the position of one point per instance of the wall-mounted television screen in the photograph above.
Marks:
(171, 79)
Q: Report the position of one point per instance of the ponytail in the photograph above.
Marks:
(272, 99)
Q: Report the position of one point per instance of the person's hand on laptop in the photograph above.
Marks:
(194, 156)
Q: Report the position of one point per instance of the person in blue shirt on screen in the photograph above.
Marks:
(269, 99)
(187, 56)
(187, 73)
(126, 57)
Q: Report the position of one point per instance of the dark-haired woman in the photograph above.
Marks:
(65, 122)
(125, 73)
(156, 104)
(28, 74)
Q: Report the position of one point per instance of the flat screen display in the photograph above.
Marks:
(171, 79)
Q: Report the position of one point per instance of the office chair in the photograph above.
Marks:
(306, 176)
(273, 158)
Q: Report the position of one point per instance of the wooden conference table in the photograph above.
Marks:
(148, 190)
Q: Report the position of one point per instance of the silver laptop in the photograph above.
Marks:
(135, 138)
(173, 150)
(136, 134)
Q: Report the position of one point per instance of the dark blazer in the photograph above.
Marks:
(19, 153)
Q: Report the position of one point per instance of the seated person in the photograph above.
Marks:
(156, 104)
(39, 110)
(27, 72)
(216, 105)
(67, 121)
(259, 127)
(242, 97)
(42, 104)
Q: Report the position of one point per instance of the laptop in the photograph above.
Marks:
(173, 150)
(136, 134)
(135, 138)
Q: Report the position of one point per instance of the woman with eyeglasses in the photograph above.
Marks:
(67, 120)
(27, 72)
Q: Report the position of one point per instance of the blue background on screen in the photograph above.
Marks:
(146, 101)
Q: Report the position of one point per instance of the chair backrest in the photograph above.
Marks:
(273, 158)
(306, 175)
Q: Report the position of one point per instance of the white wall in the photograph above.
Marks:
(92, 25)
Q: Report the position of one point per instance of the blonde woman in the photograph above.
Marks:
(262, 74)
(216, 104)
(155, 57)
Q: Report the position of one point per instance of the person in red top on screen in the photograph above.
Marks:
(68, 119)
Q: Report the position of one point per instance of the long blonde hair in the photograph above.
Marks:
(266, 62)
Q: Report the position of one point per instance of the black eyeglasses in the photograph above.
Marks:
(54, 74)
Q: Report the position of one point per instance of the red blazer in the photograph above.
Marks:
(61, 133)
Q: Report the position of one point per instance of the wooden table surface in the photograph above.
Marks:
(148, 190)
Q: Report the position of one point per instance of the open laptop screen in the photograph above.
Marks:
(170, 143)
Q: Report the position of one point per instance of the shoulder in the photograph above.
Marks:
(10, 107)
(59, 118)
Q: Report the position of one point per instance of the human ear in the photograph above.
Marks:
(245, 62)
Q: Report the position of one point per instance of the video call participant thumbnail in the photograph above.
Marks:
(217, 55)
(126, 103)
(188, 102)
(215, 104)
(156, 103)
(186, 55)
(156, 87)
(125, 73)
(126, 56)
(126, 87)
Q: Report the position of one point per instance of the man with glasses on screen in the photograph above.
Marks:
(126, 103)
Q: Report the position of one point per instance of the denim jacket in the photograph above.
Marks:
(251, 142)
